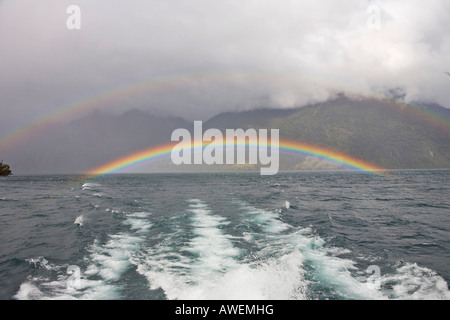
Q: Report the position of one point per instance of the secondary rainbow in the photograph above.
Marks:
(288, 146)
(114, 95)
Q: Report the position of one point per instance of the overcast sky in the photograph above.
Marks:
(249, 53)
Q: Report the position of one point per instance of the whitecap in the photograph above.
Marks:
(79, 220)
(106, 263)
(413, 282)
(90, 186)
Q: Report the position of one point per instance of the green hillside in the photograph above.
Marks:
(384, 132)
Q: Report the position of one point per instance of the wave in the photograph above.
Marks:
(411, 281)
(210, 266)
(44, 264)
(279, 261)
(106, 263)
(212, 247)
(8, 199)
(251, 254)
(79, 220)
(91, 186)
(320, 265)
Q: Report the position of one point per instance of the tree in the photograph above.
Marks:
(4, 169)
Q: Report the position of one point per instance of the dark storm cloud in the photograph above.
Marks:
(262, 53)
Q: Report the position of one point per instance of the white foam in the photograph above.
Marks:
(90, 186)
(111, 260)
(106, 264)
(214, 248)
(79, 220)
(276, 271)
(28, 291)
(279, 239)
(42, 263)
(62, 289)
(269, 221)
(8, 199)
(139, 221)
(413, 282)
(217, 269)
(209, 265)
(278, 278)
(273, 279)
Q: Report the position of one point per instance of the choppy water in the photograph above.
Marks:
(304, 235)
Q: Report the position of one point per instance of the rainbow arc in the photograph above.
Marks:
(288, 146)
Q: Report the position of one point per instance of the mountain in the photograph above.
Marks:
(91, 141)
(384, 132)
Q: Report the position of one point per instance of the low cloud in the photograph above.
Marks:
(205, 57)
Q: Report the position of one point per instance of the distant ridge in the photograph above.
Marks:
(384, 132)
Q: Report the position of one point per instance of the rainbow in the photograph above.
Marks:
(71, 110)
(288, 146)
(433, 118)
(76, 108)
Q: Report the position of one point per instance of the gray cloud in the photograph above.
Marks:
(237, 54)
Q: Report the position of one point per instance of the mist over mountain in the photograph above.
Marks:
(383, 132)
(91, 141)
